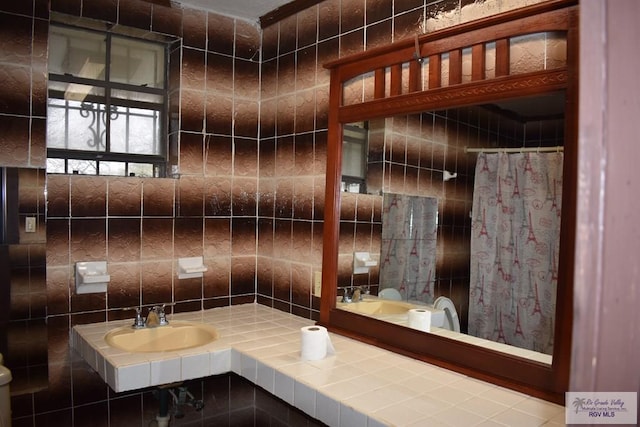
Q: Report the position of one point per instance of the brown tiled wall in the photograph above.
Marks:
(248, 136)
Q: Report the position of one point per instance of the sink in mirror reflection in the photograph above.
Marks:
(174, 336)
(391, 310)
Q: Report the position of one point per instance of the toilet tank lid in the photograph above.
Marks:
(5, 375)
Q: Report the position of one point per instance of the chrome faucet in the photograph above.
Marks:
(352, 294)
(138, 323)
(155, 317)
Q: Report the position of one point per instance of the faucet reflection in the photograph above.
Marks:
(353, 293)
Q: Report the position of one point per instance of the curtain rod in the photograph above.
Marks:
(514, 150)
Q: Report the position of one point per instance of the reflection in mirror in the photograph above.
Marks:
(408, 250)
(463, 206)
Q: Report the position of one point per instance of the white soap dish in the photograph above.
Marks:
(91, 277)
(190, 268)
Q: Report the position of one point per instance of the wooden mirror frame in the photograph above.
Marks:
(545, 381)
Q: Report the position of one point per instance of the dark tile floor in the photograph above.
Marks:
(232, 401)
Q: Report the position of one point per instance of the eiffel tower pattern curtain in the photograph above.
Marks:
(514, 248)
(408, 246)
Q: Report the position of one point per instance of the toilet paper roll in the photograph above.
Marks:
(420, 319)
(315, 343)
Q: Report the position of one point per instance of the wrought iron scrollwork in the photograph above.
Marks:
(98, 125)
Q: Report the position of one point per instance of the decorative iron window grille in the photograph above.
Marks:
(107, 104)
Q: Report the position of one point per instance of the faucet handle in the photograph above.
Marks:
(162, 316)
(356, 294)
(138, 321)
(346, 293)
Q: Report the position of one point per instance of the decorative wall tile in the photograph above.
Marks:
(218, 155)
(379, 34)
(125, 196)
(217, 279)
(194, 28)
(192, 111)
(188, 237)
(288, 31)
(328, 19)
(300, 284)
(305, 111)
(247, 42)
(22, 8)
(217, 195)
(104, 10)
(156, 282)
(221, 34)
(15, 44)
(135, 14)
(244, 196)
(124, 240)
(264, 279)
(190, 197)
(157, 239)
(303, 198)
(351, 15)
(243, 237)
(243, 275)
(158, 197)
(246, 79)
(88, 240)
(217, 237)
(193, 69)
(13, 140)
(166, 20)
(219, 114)
(88, 196)
(124, 288)
(246, 118)
(37, 146)
(307, 26)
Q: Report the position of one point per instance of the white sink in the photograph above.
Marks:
(176, 335)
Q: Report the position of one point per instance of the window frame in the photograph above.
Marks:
(158, 161)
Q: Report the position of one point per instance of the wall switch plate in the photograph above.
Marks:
(30, 224)
(317, 283)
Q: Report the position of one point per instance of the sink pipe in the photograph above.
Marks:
(166, 392)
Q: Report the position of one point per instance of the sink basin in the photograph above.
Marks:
(390, 310)
(378, 306)
(176, 335)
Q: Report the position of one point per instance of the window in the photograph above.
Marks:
(106, 105)
(354, 158)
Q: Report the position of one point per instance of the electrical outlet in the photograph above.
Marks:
(30, 224)
(317, 283)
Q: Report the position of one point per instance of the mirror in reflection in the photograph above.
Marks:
(463, 209)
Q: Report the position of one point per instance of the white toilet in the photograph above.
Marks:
(451, 321)
(5, 395)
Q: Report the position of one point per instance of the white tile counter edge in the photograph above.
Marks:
(360, 386)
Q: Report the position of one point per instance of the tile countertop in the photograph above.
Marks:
(360, 386)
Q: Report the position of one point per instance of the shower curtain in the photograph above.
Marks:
(514, 248)
(408, 247)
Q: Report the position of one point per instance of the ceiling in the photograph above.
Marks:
(249, 10)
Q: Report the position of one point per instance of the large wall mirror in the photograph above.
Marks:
(449, 222)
